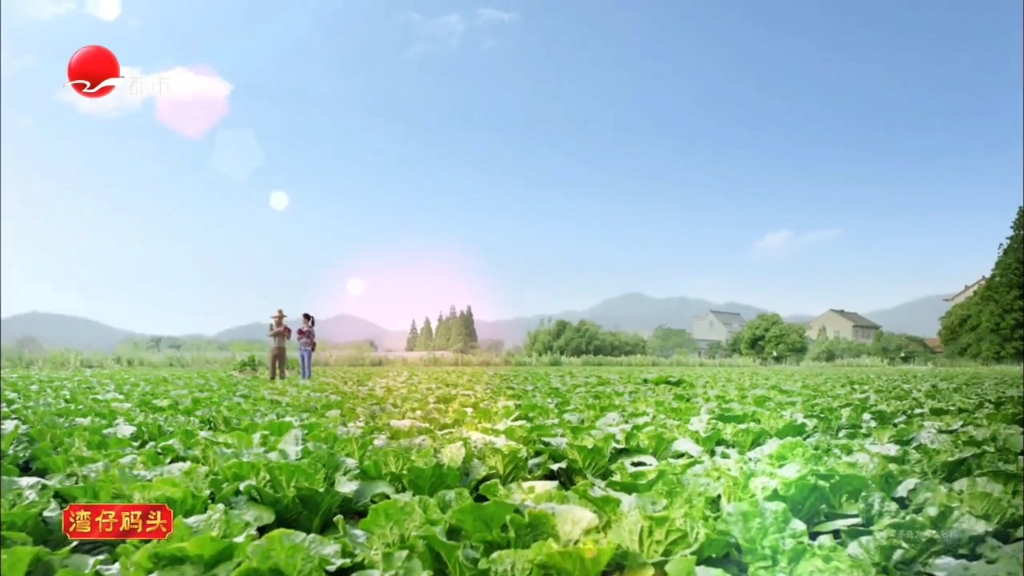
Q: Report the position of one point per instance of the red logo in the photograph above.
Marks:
(118, 521)
(94, 72)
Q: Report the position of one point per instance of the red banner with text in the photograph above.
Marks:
(118, 521)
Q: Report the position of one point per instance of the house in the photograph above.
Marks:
(717, 326)
(935, 344)
(843, 324)
(966, 293)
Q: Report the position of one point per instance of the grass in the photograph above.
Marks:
(71, 360)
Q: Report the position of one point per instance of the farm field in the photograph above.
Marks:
(523, 471)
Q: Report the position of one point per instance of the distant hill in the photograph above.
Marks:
(339, 329)
(918, 317)
(633, 312)
(56, 331)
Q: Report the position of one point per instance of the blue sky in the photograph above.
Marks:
(523, 157)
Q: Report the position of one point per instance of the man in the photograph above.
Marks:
(279, 334)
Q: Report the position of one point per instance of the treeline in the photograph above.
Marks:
(767, 339)
(988, 327)
(455, 332)
(893, 348)
(585, 338)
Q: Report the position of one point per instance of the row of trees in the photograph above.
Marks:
(769, 338)
(893, 348)
(585, 338)
(766, 338)
(455, 332)
(989, 326)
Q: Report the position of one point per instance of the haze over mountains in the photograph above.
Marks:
(628, 312)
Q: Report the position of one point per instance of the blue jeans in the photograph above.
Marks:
(306, 363)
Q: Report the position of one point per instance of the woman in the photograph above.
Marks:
(307, 345)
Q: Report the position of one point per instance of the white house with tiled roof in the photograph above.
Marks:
(717, 326)
(843, 324)
(966, 293)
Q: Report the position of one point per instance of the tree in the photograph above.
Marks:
(29, 345)
(825, 349)
(584, 338)
(989, 326)
(667, 342)
(717, 350)
(441, 330)
(425, 342)
(734, 345)
(887, 347)
(410, 340)
(458, 340)
(492, 346)
(769, 337)
(474, 339)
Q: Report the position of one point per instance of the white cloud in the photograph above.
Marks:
(45, 9)
(279, 200)
(436, 34)
(189, 101)
(491, 15)
(784, 243)
(445, 33)
(106, 10)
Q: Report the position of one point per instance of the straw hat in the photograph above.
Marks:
(280, 314)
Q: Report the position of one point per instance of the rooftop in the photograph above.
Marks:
(728, 318)
(966, 288)
(856, 319)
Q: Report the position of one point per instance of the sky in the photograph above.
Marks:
(387, 159)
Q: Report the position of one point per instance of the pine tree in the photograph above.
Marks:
(410, 340)
(441, 330)
(459, 339)
(456, 336)
(474, 340)
(425, 343)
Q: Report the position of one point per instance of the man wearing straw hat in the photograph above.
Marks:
(279, 334)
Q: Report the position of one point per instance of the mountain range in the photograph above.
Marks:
(633, 312)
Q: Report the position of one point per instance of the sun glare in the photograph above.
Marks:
(279, 200)
(355, 286)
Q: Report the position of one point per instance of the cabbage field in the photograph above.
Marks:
(522, 472)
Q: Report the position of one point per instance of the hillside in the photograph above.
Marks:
(628, 312)
(57, 331)
(918, 317)
(341, 328)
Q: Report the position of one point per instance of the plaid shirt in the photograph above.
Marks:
(307, 338)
